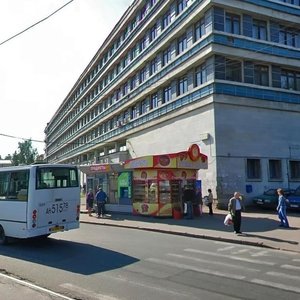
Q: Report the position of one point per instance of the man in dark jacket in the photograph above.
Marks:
(101, 198)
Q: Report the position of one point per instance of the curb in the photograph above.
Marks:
(186, 234)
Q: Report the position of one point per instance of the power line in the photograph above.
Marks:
(42, 20)
(20, 138)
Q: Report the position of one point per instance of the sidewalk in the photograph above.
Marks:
(260, 228)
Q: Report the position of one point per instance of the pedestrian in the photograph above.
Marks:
(90, 201)
(235, 207)
(198, 200)
(189, 199)
(101, 198)
(210, 199)
(281, 209)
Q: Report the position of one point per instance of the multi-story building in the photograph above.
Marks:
(222, 74)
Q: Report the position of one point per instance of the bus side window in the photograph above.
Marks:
(18, 185)
(4, 180)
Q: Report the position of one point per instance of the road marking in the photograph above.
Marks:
(261, 253)
(277, 285)
(254, 261)
(36, 287)
(192, 268)
(86, 293)
(240, 251)
(225, 248)
(296, 259)
(283, 275)
(213, 262)
(290, 267)
(150, 287)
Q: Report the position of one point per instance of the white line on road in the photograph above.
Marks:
(296, 259)
(36, 287)
(283, 275)
(260, 253)
(151, 287)
(277, 285)
(225, 248)
(290, 267)
(254, 261)
(192, 268)
(213, 262)
(87, 293)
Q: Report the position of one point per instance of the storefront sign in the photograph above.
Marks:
(143, 162)
(100, 168)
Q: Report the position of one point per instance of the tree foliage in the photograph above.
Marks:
(25, 154)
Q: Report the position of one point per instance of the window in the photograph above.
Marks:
(167, 94)
(142, 76)
(182, 44)
(294, 170)
(233, 70)
(56, 177)
(125, 89)
(290, 80)
(153, 101)
(153, 66)
(142, 44)
(132, 82)
(153, 33)
(143, 107)
(294, 2)
(134, 112)
(261, 75)
(259, 30)
(166, 19)
(166, 56)
(232, 24)
(14, 185)
(275, 169)
(181, 5)
(253, 169)
(182, 86)
(289, 37)
(200, 75)
(199, 29)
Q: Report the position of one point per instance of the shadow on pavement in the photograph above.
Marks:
(71, 256)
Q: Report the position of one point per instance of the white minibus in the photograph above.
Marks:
(37, 200)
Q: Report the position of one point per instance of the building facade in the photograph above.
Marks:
(224, 75)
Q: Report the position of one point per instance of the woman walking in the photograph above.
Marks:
(281, 209)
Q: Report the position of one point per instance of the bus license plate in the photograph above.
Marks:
(56, 228)
(57, 208)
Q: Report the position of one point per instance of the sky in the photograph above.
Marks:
(40, 66)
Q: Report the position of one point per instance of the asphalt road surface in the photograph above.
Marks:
(109, 263)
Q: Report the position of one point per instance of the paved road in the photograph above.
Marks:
(259, 228)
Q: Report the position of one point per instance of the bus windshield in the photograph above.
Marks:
(56, 177)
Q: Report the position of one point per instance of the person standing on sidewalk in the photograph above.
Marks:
(101, 198)
(235, 207)
(210, 201)
(90, 201)
(281, 209)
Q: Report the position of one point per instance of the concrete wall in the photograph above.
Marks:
(254, 129)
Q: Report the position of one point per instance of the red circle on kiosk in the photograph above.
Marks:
(194, 152)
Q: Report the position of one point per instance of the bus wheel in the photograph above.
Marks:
(3, 237)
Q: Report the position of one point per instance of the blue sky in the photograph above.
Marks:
(39, 67)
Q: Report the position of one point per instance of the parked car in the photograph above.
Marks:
(294, 199)
(269, 199)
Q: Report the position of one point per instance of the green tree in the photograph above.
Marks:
(8, 157)
(25, 154)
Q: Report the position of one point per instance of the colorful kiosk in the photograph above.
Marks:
(159, 180)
